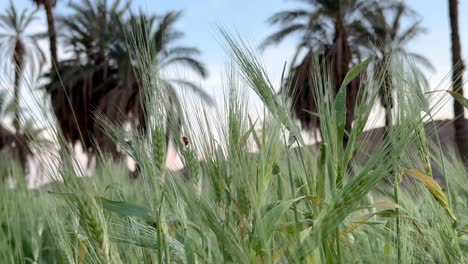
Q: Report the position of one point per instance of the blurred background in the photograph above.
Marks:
(72, 57)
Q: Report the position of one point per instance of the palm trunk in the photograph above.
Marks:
(386, 96)
(342, 59)
(18, 57)
(388, 119)
(16, 103)
(457, 82)
(52, 34)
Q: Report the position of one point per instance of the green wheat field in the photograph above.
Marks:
(252, 190)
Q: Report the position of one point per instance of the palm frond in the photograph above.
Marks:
(189, 62)
(196, 89)
(411, 32)
(182, 51)
(421, 60)
(283, 33)
(286, 17)
(165, 33)
(400, 10)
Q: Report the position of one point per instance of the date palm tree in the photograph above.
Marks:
(23, 49)
(48, 7)
(458, 68)
(382, 34)
(101, 75)
(323, 27)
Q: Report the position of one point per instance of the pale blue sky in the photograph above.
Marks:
(248, 18)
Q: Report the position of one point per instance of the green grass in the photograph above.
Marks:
(283, 203)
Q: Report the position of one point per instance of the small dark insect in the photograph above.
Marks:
(185, 140)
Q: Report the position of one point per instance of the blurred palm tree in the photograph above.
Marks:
(17, 146)
(102, 75)
(21, 47)
(323, 27)
(338, 33)
(48, 6)
(382, 34)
